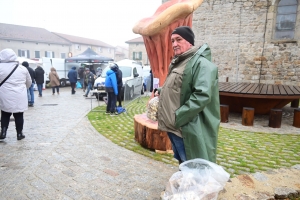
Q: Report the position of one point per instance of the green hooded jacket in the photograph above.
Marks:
(199, 113)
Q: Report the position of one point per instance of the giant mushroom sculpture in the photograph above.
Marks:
(156, 31)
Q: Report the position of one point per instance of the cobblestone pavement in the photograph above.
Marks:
(63, 157)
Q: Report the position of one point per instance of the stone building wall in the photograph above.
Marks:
(240, 35)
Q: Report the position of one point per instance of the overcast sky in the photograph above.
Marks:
(110, 21)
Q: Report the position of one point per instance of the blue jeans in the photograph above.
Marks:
(111, 102)
(89, 87)
(178, 147)
(30, 93)
(40, 88)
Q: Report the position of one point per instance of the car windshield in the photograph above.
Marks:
(126, 71)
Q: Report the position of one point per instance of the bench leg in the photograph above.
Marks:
(224, 112)
(296, 122)
(275, 118)
(248, 116)
(295, 103)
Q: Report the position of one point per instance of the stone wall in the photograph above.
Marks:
(239, 33)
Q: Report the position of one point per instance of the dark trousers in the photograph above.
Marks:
(119, 97)
(57, 89)
(73, 85)
(111, 102)
(19, 120)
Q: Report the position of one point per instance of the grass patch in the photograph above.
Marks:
(242, 151)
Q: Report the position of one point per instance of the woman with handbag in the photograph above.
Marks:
(54, 80)
(14, 82)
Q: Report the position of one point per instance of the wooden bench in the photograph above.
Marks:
(261, 97)
(148, 136)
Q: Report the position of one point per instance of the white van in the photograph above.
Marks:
(132, 77)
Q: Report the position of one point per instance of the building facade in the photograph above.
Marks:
(32, 42)
(252, 41)
(80, 44)
(137, 50)
(121, 53)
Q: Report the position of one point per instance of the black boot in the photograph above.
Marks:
(20, 135)
(3, 133)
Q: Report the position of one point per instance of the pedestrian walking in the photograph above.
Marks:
(120, 84)
(189, 107)
(89, 80)
(72, 75)
(30, 91)
(54, 80)
(81, 76)
(39, 79)
(14, 82)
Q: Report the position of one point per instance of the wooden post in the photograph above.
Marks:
(224, 112)
(295, 103)
(275, 118)
(248, 116)
(296, 121)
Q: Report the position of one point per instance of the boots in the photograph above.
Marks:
(20, 135)
(3, 133)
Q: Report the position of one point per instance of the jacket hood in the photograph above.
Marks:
(53, 69)
(109, 72)
(74, 68)
(203, 50)
(7, 55)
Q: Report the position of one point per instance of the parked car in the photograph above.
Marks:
(132, 80)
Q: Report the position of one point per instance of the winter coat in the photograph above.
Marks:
(39, 75)
(111, 82)
(119, 78)
(81, 72)
(32, 74)
(89, 77)
(198, 116)
(72, 75)
(53, 77)
(13, 92)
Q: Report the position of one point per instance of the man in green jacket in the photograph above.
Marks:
(189, 106)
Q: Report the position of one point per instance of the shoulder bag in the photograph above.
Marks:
(9, 74)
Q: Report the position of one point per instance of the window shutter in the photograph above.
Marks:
(28, 54)
(133, 55)
(45, 53)
(19, 53)
(52, 54)
(140, 55)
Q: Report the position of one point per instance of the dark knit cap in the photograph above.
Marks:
(25, 64)
(186, 33)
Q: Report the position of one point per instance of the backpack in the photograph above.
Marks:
(120, 110)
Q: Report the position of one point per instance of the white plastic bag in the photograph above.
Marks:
(198, 179)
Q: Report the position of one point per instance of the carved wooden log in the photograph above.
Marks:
(156, 31)
(147, 134)
(224, 111)
(275, 118)
(296, 121)
(248, 116)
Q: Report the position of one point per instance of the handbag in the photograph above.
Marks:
(9, 75)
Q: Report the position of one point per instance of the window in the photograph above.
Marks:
(23, 53)
(49, 54)
(286, 19)
(77, 46)
(109, 50)
(137, 55)
(100, 49)
(37, 54)
(63, 55)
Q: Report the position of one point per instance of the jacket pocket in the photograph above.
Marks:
(175, 80)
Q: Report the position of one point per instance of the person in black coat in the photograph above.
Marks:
(72, 75)
(119, 77)
(39, 79)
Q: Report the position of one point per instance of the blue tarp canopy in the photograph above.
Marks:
(88, 56)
